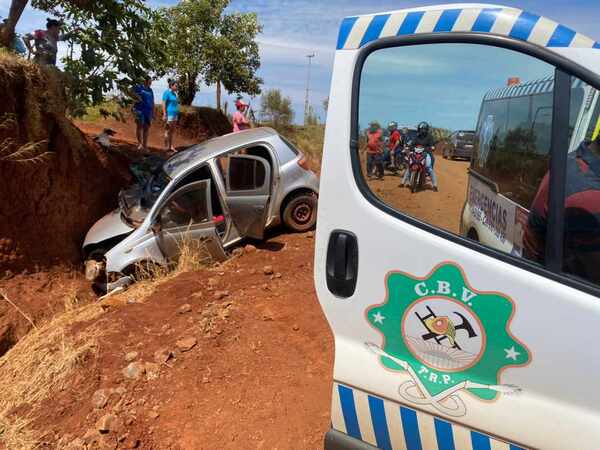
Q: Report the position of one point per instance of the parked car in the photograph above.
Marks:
(460, 145)
(218, 192)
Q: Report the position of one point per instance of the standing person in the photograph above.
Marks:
(45, 43)
(240, 119)
(170, 107)
(395, 145)
(375, 151)
(143, 111)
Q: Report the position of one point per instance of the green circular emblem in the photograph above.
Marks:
(448, 336)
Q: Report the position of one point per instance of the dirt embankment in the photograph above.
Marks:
(55, 182)
(195, 125)
(231, 357)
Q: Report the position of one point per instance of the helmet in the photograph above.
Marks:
(392, 126)
(423, 129)
(374, 124)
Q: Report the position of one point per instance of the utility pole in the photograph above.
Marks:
(306, 98)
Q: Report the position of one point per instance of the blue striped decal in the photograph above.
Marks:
(447, 20)
(345, 29)
(480, 441)
(382, 435)
(486, 20)
(562, 37)
(444, 435)
(375, 415)
(410, 24)
(524, 26)
(374, 29)
(411, 429)
(349, 412)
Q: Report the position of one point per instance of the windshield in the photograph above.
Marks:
(136, 201)
(157, 183)
(466, 136)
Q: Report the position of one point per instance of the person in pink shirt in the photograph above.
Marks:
(240, 120)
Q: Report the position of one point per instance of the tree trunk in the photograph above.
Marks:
(187, 88)
(219, 95)
(14, 14)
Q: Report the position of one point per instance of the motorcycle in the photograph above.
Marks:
(396, 161)
(418, 171)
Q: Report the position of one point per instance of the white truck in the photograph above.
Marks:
(444, 341)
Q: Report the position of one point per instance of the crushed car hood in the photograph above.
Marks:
(110, 226)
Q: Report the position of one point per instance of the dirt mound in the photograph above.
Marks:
(203, 122)
(55, 183)
(222, 358)
(195, 125)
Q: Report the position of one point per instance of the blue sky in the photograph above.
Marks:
(294, 28)
(442, 84)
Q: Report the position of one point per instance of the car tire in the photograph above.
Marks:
(300, 213)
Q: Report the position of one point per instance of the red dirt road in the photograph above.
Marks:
(259, 376)
(442, 208)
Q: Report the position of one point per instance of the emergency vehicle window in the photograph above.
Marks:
(481, 188)
(582, 203)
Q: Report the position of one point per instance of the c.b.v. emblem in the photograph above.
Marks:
(447, 336)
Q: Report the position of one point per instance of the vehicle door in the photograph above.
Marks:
(185, 223)
(442, 342)
(248, 191)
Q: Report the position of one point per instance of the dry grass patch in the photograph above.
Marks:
(39, 365)
(194, 256)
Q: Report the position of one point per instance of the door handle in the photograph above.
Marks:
(342, 263)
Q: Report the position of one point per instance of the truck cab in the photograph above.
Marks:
(444, 340)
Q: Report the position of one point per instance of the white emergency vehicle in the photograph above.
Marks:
(443, 342)
(500, 195)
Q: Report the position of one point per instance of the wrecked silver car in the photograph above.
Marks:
(218, 192)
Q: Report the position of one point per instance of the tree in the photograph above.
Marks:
(276, 109)
(118, 43)
(326, 104)
(232, 55)
(189, 23)
(208, 44)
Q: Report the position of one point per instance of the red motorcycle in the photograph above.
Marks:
(416, 165)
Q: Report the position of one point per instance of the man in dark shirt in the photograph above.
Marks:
(424, 139)
(582, 215)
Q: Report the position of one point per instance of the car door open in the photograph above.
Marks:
(248, 190)
(185, 224)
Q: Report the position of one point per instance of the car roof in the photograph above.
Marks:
(214, 147)
(357, 31)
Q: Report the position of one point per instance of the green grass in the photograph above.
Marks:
(101, 111)
(308, 139)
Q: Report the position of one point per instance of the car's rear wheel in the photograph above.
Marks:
(300, 213)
